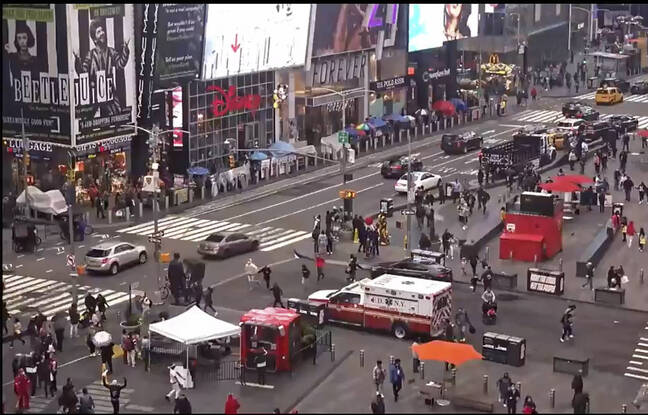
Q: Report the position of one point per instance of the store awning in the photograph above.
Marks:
(330, 98)
(194, 326)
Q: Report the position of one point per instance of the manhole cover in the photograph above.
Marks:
(508, 297)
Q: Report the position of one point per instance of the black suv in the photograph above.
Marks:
(640, 87)
(461, 143)
(620, 122)
(595, 130)
(396, 167)
(578, 110)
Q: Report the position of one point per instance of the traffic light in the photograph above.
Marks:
(232, 161)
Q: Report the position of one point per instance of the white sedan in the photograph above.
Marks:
(419, 178)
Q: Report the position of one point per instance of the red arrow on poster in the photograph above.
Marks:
(236, 45)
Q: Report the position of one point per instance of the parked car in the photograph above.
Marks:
(223, 244)
(426, 269)
(395, 167)
(461, 143)
(628, 122)
(113, 256)
(622, 85)
(595, 130)
(640, 87)
(610, 95)
(419, 178)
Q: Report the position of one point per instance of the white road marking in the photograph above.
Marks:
(636, 369)
(48, 271)
(632, 375)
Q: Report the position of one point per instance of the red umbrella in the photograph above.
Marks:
(369, 220)
(643, 133)
(560, 186)
(573, 178)
(445, 107)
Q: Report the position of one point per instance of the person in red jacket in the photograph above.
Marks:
(631, 233)
(22, 387)
(231, 405)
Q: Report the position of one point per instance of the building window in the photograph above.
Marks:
(538, 12)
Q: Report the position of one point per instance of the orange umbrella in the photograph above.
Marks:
(443, 351)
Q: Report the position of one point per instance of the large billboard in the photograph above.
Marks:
(267, 37)
(179, 43)
(100, 41)
(432, 24)
(341, 28)
(35, 76)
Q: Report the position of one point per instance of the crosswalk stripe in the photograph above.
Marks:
(15, 302)
(638, 356)
(183, 229)
(283, 238)
(634, 362)
(168, 226)
(9, 278)
(632, 375)
(195, 230)
(213, 228)
(28, 286)
(204, 234)
(636, 369)
(16, 282)
(641, 350)
(144, 225)
(286, 243)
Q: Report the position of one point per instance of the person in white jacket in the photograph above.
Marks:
(251, 271)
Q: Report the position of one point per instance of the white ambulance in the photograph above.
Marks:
(403, 305)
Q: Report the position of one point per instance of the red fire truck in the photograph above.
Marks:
(402, 305)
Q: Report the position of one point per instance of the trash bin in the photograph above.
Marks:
(387, 206)
(495, 347)
(618, 206)
(314, 313)
(516, 351)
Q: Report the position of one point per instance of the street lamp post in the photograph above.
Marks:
(25, 161)
(154, 135)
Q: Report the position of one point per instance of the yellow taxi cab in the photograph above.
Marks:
(610, 95)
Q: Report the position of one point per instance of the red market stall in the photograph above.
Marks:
(275, 330)
(521, 246)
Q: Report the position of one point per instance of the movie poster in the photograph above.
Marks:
(35, 72)
(101, 42)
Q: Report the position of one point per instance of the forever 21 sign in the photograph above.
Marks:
(387, 84)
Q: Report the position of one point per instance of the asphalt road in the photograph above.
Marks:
(287, 217)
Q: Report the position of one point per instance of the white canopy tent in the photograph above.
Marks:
(192, 327)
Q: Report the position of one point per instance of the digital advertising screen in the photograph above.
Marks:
(270, 37)
(432, 24)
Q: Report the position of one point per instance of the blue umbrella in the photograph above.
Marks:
(376, 122)
(258, 156)
(198, 171)
(459, 104)
(281, 148)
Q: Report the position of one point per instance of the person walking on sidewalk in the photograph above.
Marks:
(251, 269)
(378, 404)
(232, 405)
(642, 239)
(352, 267)
(129, 350)
(43, 374)
(529, 407)
(577, 383)
(175, 384)
(106, 356)
(58, 322)
(589, 276)
(86, 403)
(567, 323)
(209, 299)
(503, 385)
(182, 405)
(277, 292)
(512, 396)
(627, 185)
(74, 320)
(643, 190)
(379, 374)
(22, 386)
(631, 233)
(17, 332)
(396, 377)
(319, 267)
(266, 271)
(115, 390)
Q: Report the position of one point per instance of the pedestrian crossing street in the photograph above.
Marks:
(25, 294)
(638, 365)
(628, 98)
(548, 116)
(194, 229)
(101, 397)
